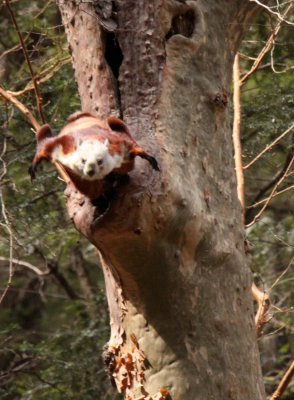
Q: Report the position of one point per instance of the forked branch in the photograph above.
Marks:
(271, 11)
(269, 44)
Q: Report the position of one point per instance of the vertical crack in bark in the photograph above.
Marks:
(113, 54)
(114, 58)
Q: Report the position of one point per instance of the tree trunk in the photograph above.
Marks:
(171, 243)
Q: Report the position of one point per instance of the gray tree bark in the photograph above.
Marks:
(171, 243)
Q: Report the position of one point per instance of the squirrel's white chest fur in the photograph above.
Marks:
(91, 160)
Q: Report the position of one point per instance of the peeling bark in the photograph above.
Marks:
(171, 243)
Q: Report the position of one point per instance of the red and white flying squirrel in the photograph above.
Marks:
(90, 149)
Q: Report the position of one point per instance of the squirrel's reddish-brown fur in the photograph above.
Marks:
(90, 149)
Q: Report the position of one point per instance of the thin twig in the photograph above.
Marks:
(283, 241)
(37, 93)
(27, 265)
(8, 51)
(276, 194)
(266, 48)
(1, 159)
(269, 9)
(42, 196)
(258, 215)
(272, 63)
(6, 225)
(270, 146)
(39, 13)
(61, 279)
(284, 383)
(50, 73)
(237, 134)
(282, 274)
(21, 107)
(276, 331)
(268, 186)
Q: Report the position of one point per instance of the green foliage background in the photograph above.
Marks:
(267, 111)
(51, 336)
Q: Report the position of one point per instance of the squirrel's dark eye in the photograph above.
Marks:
(100, 162)
(83, 161)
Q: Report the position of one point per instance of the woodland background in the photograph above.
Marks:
(54, 317)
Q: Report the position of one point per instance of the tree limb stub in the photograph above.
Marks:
(177, 280)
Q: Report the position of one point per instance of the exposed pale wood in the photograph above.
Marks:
(237, 134)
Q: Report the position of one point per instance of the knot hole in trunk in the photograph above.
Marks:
(183, 24)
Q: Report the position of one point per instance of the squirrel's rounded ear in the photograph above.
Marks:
(117, 125)
(44, 132)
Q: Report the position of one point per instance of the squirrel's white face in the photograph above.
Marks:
(91, 160)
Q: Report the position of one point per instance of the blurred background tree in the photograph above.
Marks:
(53, 318)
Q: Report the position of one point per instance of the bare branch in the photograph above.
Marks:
(258, 215)
(39, 13)
(7, 226)
(78, 265)
(48, 73)
(276, 194)
(42, 196)
(269, 44)
(272, 63)
(8, 51)
(62, 281)
(51, 269)
(21, 107)
(271, 11)
(27, 265)
(268, 186)
(37, 93)
(270, 146)
(282, 274)
(284, 383)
